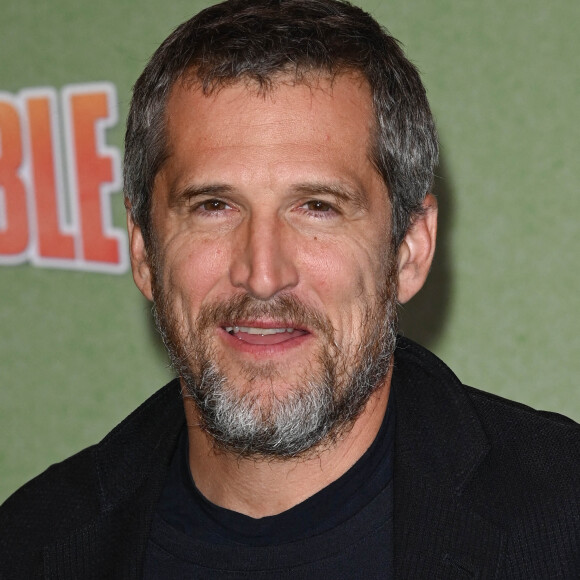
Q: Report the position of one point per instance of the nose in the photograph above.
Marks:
(264, 261)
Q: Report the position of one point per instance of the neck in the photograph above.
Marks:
(264, 487)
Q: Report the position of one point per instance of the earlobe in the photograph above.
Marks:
(416, 251)
(139, 259)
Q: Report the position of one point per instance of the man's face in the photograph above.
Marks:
(271, 269)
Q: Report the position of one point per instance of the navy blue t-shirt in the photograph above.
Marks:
(342, 532)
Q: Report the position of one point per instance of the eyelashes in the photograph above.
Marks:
(316, 208)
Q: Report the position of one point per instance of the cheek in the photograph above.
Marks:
(193, 270)
(336, 276)
(344, 277)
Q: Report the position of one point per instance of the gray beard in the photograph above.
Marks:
(315, 414)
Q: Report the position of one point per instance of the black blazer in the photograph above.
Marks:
(484, 488)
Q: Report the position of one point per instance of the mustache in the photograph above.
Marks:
(289, 310)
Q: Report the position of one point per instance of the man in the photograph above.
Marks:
(279, 156)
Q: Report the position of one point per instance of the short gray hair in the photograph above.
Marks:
(257, 40)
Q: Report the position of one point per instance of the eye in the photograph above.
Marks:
(317, 206)
(213, 205)
(212, 208)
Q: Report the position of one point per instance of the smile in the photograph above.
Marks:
(262, 337)
(260, 331)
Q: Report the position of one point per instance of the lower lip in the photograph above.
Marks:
(290, 343)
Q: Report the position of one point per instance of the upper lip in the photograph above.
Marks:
(265, 324)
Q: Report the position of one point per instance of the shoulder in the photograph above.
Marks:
(74, 492)
(438, 395)
(513, 466)
(525, 454)
(497, 413)
(539, 449)
(529, 482)
(60, 498)
(495, 410)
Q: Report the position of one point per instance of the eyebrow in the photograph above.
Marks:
(344, 193)
(182, 196)
(340, 191)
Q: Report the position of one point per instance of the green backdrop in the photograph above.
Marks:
(77, 352)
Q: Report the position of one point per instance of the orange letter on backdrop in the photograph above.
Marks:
(94, 167)
(52, 241)
(40, 220)
(14, 234)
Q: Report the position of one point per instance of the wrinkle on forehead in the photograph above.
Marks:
(277, 115)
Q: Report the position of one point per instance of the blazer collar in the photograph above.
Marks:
(439, 444)
(131, 465)
(140, 447)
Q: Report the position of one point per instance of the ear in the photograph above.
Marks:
(139, 258)
(416, 251)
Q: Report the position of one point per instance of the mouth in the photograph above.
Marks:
(260, 335)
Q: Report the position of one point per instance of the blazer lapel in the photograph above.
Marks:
(438, 537)
(131, 464)
(439, 445)
(110, 547)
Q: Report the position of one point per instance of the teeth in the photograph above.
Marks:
(253, 330)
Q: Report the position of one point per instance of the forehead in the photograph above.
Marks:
(308, 131)
(314, 103)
